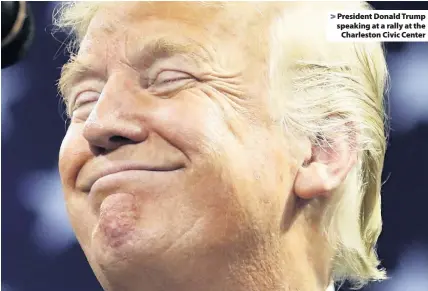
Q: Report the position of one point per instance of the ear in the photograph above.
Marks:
(325, 167)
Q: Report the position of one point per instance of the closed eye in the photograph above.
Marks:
(166, 77)
(84, 104)
(85, 98)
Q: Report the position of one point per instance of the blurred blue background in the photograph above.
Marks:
(39, 250)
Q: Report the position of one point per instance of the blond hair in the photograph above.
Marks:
(321, 90)
(327, 90)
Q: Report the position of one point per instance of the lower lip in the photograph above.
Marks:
(123, 176)
(116, 182)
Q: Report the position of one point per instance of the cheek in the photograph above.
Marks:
(192, 123)
(73, 154)
(81, 218)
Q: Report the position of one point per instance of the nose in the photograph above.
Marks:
(115, 120)
(107, 134)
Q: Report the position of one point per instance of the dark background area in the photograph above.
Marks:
(39, 251)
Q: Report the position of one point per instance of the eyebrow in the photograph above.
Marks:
(73, 72)
(147, 53)
(161, 48)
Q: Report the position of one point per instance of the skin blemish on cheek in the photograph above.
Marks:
(118, 218)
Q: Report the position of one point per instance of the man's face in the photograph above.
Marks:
(172, 164)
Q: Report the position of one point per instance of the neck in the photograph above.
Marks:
(295, 271)
(298, 261)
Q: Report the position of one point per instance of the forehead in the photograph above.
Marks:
(192, 13)
(127, 17)
(240, 21)
(231, 33)
(131, 22)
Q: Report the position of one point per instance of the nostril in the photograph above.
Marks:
(119, 139)
(102, 151)
(97, 150)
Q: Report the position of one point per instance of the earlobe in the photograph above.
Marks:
(312, 181)
(325, 171)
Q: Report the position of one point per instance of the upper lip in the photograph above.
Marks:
(94, 175)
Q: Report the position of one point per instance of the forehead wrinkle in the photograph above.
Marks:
(149, 51)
